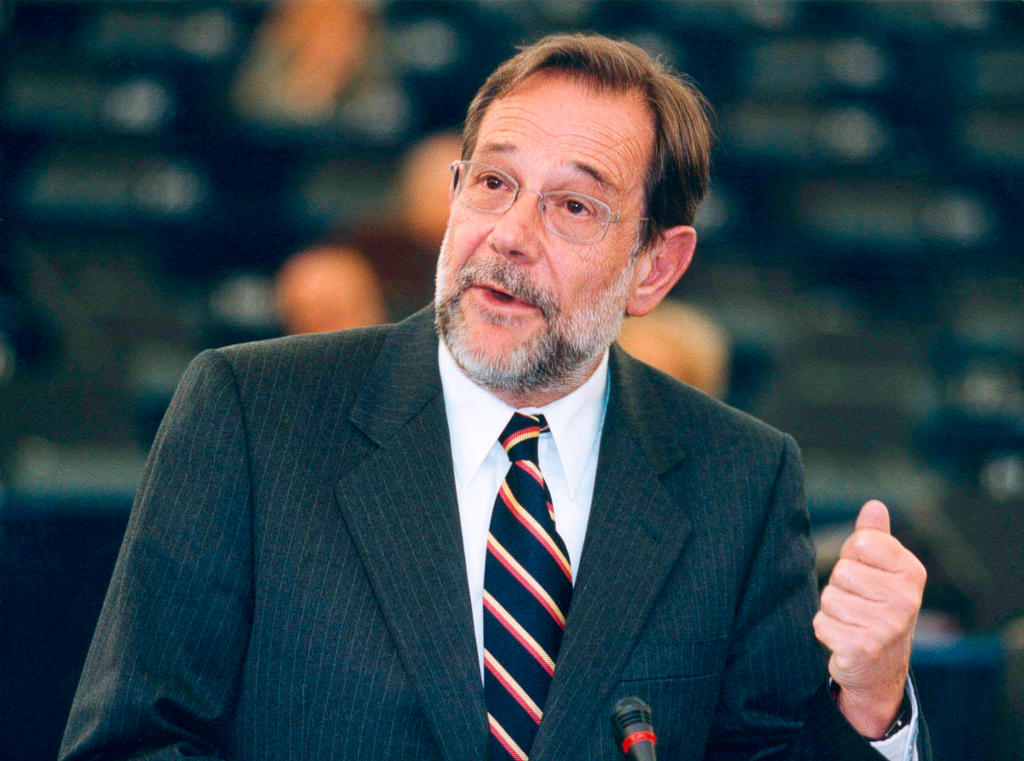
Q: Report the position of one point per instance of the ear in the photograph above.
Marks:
(660, 268)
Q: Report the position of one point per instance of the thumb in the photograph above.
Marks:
(874, 515)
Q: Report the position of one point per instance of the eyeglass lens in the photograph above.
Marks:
(575, 216)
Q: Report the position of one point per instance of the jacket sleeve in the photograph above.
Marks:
(163, 668)
(775, 702)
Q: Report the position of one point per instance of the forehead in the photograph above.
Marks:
(561, 125)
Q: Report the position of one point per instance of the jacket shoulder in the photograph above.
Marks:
(676, 416)
(299, 361)
(309, 347)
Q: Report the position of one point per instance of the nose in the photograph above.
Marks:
(516, 232)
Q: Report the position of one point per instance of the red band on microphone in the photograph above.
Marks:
(637, 737)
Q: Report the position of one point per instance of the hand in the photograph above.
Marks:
(867, 617)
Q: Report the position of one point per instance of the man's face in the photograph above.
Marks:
(523, 311)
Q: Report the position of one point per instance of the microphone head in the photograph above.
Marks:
(634, 729)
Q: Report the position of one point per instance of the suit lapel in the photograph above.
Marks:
(634, 536)
(400, 506)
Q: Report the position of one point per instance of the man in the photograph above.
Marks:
(313, 568)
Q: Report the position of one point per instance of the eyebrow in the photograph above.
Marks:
(580, 166)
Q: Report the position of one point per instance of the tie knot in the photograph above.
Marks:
(520, 436)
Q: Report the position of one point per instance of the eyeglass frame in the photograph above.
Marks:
(613, 217)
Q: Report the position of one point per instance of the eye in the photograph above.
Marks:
(491, 181)
(574, 205)
(494, 183)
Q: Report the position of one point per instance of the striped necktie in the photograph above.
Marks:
(527, 587)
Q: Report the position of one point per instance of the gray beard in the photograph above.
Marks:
(556, 360)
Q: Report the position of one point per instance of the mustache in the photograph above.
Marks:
(513, 280)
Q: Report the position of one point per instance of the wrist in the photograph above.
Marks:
(875, 718)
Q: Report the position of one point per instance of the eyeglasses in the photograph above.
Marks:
(574, 216)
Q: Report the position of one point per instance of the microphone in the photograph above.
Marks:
(634, 730)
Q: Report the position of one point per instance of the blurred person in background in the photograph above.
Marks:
(683, 341)
(403, 240)
(304, 56)
(328, 286)
(423, 179)
(311, 569)
(334, 285)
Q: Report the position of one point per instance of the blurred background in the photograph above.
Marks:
(180, 175)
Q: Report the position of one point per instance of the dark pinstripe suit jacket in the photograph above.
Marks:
(292, 582)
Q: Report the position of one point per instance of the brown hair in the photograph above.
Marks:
(680, 166)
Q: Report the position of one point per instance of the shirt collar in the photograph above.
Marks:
(476, 418)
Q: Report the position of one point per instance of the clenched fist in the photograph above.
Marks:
(867, 617)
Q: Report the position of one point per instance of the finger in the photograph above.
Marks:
(849, 608)
(874, 515)
(897, 593)
(834, 634)
(861, 579)
(847, 646)
(874, 548)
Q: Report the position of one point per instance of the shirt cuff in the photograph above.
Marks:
(902, 746)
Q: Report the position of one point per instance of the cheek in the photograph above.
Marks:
(466, 228)
(461, 241)
(590, 276)
(577, 289)
(450, 256)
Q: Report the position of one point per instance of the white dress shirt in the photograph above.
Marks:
(568, 461)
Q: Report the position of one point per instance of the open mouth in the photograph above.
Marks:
(504, 296)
